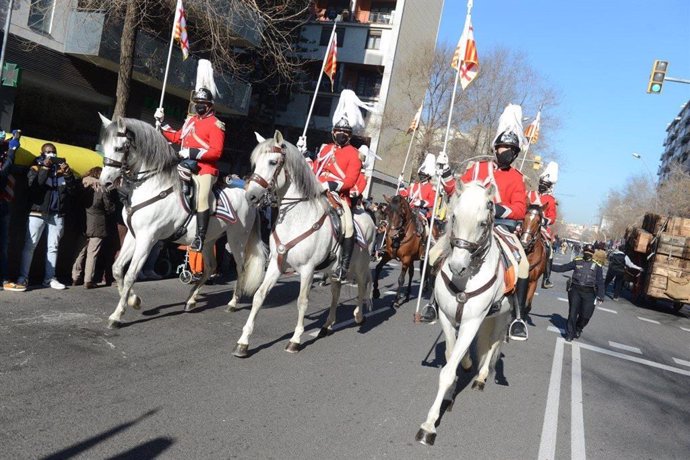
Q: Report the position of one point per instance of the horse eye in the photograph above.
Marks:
(484, 224)
(273, 162)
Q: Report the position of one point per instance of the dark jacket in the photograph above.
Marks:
(98, 205)
(582, 266)
(49, 192)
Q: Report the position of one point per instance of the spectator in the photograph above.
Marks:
(618, 260)
(51, 184)
(7, 152)
(98, 206)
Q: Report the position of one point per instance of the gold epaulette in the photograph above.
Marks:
(220, 124)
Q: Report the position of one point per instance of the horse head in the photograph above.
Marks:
(531, 225)
(398, 215)
(471, 226)
(116, 148)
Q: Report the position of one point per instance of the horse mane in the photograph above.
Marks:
(150, 147)
(301, 174)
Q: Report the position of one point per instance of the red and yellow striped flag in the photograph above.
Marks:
(465, 60)
(532, 131)
(415, 123)
(331, 59)
(181, 29)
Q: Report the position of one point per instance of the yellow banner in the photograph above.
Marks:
(79, 159)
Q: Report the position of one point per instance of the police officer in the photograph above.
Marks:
(586, 287)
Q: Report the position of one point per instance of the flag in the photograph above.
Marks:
(331, 59)
(532, 131)
(180, 26)
(415, 123)
(465, 59)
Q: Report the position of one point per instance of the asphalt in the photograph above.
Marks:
(166, 385)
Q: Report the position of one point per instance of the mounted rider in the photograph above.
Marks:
(337, 166)
(510, 206)
(201, 139)
(366, 157)
(421, 193)
(543, 197)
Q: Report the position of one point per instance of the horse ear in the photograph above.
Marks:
(387, 198)
(259, 137)
(106, 122)
(278, 137)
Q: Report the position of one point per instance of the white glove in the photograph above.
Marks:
(159, 114)
(324, 185)
(417, 203)
(184, 152)
(302, 144)
(442, 160)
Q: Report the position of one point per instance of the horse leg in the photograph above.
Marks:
(468, 329)
(485, 344)
(302, 302)
(410, 275)
(531, 289)
(209, 267)
(327, 328)
(125, 255)
(127, 296)
(239, 256)
(384, 260)
(272, 275)
(401, 282)
(363, 282)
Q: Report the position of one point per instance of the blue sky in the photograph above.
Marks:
(598, 55)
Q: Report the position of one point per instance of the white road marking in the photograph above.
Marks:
(607, 310)
(685, 329)
(653, 321)
(620, 346)
(682, 362)
(390, 292)
(350, 321)
(393, 264)
(109, 343)
(577, 420)
(635, 359)
(556, 329)
(549, 430)
(562, 299)
(536, 293)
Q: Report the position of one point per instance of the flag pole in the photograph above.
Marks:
(531, 136)
(318, 83)
(417, 315)
(409, 147)
(167, 64)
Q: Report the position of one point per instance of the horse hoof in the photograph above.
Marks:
(362, 321)
(424, 437)
(190, 306)
(376, 294)
(114, 324)
(292, 347)
(231, 309)
(134, 301)
(466, 370)
(324, 332)
(240, 350)
(478, 385)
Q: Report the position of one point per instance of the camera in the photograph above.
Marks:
(58, 161)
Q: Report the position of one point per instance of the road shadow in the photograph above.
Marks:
(88, 443)
(554, 318)
(149, 449)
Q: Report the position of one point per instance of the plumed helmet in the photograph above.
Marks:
(550, 174)
(508, 139)
(348, 107)
(202, 95)
(588, 248)
(343, 125)
(428, 168)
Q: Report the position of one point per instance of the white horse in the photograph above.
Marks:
(303, 237)
(137, 154)
(469, 286)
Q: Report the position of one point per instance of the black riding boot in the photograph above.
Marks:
(546, 280)
(201, 227)
(518, 328)
(340, 272)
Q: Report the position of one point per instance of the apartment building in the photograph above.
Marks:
(677, 143)
(67, 61)
(375, 39)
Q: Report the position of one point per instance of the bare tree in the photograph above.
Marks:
(213, 34)
(626, 207)
(674, 193)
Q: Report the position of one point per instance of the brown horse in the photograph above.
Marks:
(533, 242)
(402, 243)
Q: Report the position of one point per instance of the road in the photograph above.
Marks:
(167, 385)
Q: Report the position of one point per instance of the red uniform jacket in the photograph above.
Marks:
(206, 134)
(360, 185)
(548, 206)
(421, 196)
(340, 165)
(510, 187)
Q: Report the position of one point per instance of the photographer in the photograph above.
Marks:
(8, 149)
(51, 185)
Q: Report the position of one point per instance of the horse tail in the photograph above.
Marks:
(256, 253)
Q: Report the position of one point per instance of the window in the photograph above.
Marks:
(322, 106)
(374, 40)
(41, 15)
(368, 85)
(381, 13)
(326, 34)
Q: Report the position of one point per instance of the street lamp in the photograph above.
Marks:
(651, 176)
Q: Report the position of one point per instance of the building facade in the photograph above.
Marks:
(677, 144)
(375, 41)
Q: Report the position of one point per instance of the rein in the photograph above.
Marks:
(269, 185)
(479, 248)
(533, 237)
(131, 178)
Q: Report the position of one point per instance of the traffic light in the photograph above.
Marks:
(656, 79)
(537, 162)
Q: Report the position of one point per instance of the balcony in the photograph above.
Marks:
(357, 43)
(89, 36)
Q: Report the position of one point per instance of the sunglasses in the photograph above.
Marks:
(48, 152)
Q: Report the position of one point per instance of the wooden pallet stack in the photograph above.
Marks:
(666, 241)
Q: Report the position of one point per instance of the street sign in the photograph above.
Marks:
(10, 75)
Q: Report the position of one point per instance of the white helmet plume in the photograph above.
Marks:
(550, 173)
(348, 109)
(369, 156)
(429, 165)
(511, 120)
(204, 77)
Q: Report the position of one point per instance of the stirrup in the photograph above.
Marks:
(197, 245)
(517, 337)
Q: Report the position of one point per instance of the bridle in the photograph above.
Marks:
(270, 185)
(479, 248)
(528, 244)
(129, 176)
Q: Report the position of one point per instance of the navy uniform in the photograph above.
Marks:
(587, 285)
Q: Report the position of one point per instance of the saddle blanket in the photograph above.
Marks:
(224, 209)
